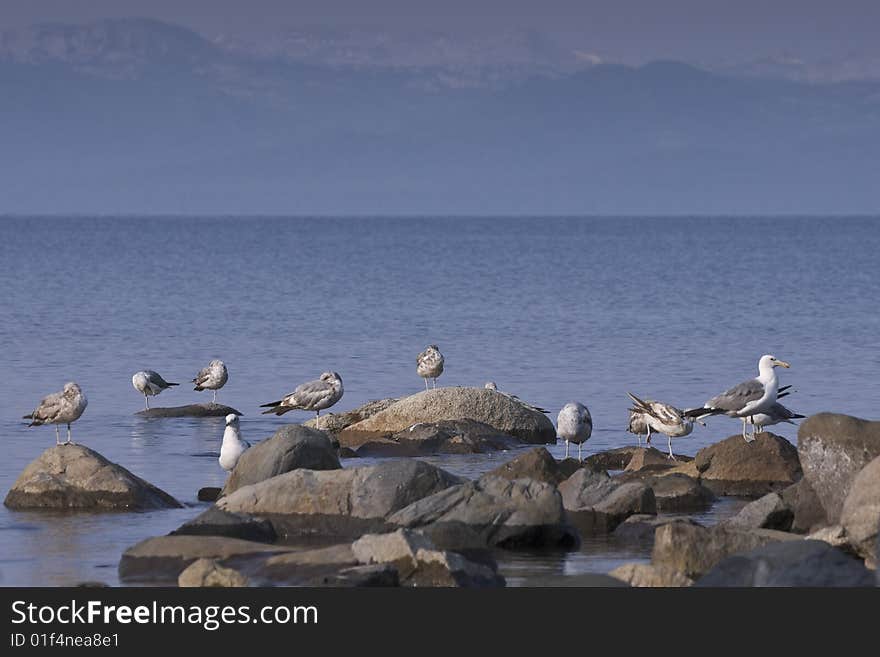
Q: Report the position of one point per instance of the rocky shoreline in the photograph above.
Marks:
(290, 514)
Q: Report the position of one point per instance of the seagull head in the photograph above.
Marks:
(232, 420)
(331, 377)
(772, 361)
(71, 388)
(491, 385)
(217, 363)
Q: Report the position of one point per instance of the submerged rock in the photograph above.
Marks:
(430, 406)
(648, 575)
(76, 477)
(291, 447)
(833, 449)
(792, 563)
(191, 410)
(735, 467)
(447, 437)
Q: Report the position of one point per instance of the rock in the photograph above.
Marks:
(792, 563)
(569, 466)
(806, 506)
(208, 572)
(678, 492)
(834, 535)
(693, 550)
(359, 576)
(735, 467)
(597, 504)
(333, 423)
(208, 494)
(480, 404)
(292, 446)
(860, 516)
(768, 512)
(612, 459)
(346, 453)
(584, 580)
(191, 410)
(641, 527)
(537, 464)
(161, 559)
(346, 502)
(877, 560)
(491, 512)
(446, 437)
(76, 477)
(651, 457)
(647, 575)
(216, 522)
(833, 449)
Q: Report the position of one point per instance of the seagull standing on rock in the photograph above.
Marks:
(429, 364)
(233, 446)
(310, 396)
(63, 407)
(776, 414)
(149, 383)
(662, 418)
(213, 377)
(747, 399)
(574, 425)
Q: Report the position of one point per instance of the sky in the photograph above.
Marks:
(630, 31)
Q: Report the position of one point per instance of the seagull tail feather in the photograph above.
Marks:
(171, 384)
(641, 404)
(701, 412)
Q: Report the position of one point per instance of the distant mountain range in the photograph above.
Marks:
(141, 116)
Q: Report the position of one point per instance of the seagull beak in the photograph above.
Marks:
(782, 363)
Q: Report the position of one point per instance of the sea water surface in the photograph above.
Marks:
(552, 309)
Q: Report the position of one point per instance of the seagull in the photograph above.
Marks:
(662, 418)
(149, 383)
(491, 385)
(213, 377)
(748, 398)
(311, 396)
(776, 414)
(233, 446)
(63, 407)
(574, 424)
(429, 364)
(638, 425)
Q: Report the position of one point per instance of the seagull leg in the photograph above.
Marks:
(147, 402)
(57, 437)
(648, 439)
(671, 455)
(426, 384)
(68, 435)
(214, 400)
(566, 449)
(435, 381)
(580, 459)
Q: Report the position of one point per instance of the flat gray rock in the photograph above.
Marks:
(190, 410)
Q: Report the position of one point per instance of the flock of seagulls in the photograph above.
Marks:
(754, 402)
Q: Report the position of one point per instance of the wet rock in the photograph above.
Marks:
(735, 467)
(597, 504)
(291, 447)
(808, 511)
(693, 550)
(491, 512)
(768, 512)
(480, 404)
(612, 459)
(209, 572)
(208, 494)
(190, 410)
(446, 437)
(76, 477)
(678, 493)
(537, 464)
(647, 575)
(860, 516)
(833, 448)
(346, 453)
(640, 528)
(653, 458)
(216, 522)
(161, 559)
(792, 563)
(346, 502)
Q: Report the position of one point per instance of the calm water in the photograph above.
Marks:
(551, 309)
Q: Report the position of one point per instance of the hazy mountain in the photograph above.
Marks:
(141, 116)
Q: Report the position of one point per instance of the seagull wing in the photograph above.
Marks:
(737, 397)
(49, 408)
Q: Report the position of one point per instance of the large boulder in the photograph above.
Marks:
(76, 477)
(291, 447)
(678, 492)
(735, 467)
(806, 506)
(768, 512)
(446, 437)
(190, 410)
(640, 528)
(536, 463)
(654, 459)
(216, 522)
(491, 512)
(860, 516)
(597, 504)
(693, 550)
(833, 448)
(333, 423)
(648, 575)
(161, 559)
(613, 459)
(790, 563)
(487, 406)
(347, 502)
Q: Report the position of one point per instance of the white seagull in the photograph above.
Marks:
(662, 418)
(233, 446)
(63, 407)
(149, 384)
(748, 398)
(776, 414)
(429, 364)
(213, 377)
(574, 425)
(310, 396)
